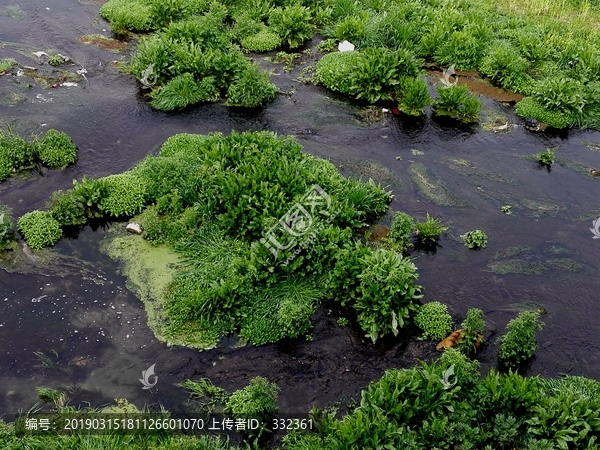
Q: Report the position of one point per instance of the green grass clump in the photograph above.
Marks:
(263, 41)
(457, 102)
(414, 96)
(528, 107)
(7, 231)
(402, 229)
(56, 149)
(475, 239)
(251, 88)
(6, 64)
(434, 320)
(126, 195)
(472, 335)
(15, 153)
(125, 15)
(428, 232)
(519, 343)
(255, 401)
(334, 71)
(547, 156)
(183, 90)
(292, 23)
(40, 229)
(506, 67)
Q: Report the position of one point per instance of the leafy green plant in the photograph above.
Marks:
(127, 15)
(506, 209)
(529, 107)
(375, 74)
(126, 195)
(472, 332)
(263, 41)
(7, 232)
(414, 96)
(428, 232)
(402, 229)
(546, 158)
(67, 208)
(519, 343)
(251, 89)
(457, 102)
(434, 320)
(183, 90)
(475, 239)
(506, 67)
(258, 401)
(40, 229)
(56, 149)
(292, 23)
(387, 293)
(15, 153)
(342, 322)
(6, 64)
(334, 71)
(56, 60)
(327, 45)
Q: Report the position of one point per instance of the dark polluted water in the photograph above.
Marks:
(70, 322)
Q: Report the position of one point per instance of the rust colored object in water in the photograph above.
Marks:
(477, 85)
(454, 338)
(395, 111)
(377, 232)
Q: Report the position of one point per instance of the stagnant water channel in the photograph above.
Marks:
(76, 310)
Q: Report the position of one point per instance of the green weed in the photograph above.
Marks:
(518, 345)
(40, 229)
(434, 320)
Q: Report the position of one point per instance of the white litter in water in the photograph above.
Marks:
(68, 84)
(346, 46)
(39, 54)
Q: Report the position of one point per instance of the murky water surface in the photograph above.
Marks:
(71, 322)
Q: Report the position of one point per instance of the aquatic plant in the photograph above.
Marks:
(519, 343)
(6, 64)
(334, 71)
(7, 231)
(434, 320)
(40, 229)
(183, 90)
(472, 332)
(475, 239)
(457, 102)
(387, 293)
(292, 23)
(428, 232)
(56, 60)
(127, 15)
(56, 149)
(402, 228)
(414, 96)
(258, 401)
(15, 153)
(506, 67)
(263, 41)
(546, 157)
(251, 88)
(126, 195)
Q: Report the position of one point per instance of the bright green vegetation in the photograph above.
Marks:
(428, 232)
(40, 229)
(546, 158)
(401, 230)
(7, 228)
(56, 60)
(472, 332)
(6, 64)
(517, 346)
(475, 239)
(458, 103)
(549, 57)
(413, 409)
(506, 209)
(217, 200)
(55, 150)
(434, 320)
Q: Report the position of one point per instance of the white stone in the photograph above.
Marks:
(346, 46)
(134, 228)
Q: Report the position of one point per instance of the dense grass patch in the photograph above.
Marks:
(266, 233)
(55, 150)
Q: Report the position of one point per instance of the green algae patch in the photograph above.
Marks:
(525, 267)
(432, 188)
(495, 122)
(511, 252)
(364, 169)
(11, 98)
(467, 168)
(121, 406)
(575, 167)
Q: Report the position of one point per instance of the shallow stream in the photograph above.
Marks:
(70, 320)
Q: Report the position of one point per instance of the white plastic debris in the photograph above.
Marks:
(40, 54)
(68, 84)
(384, 110)
(346, 46)
(134, 228)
